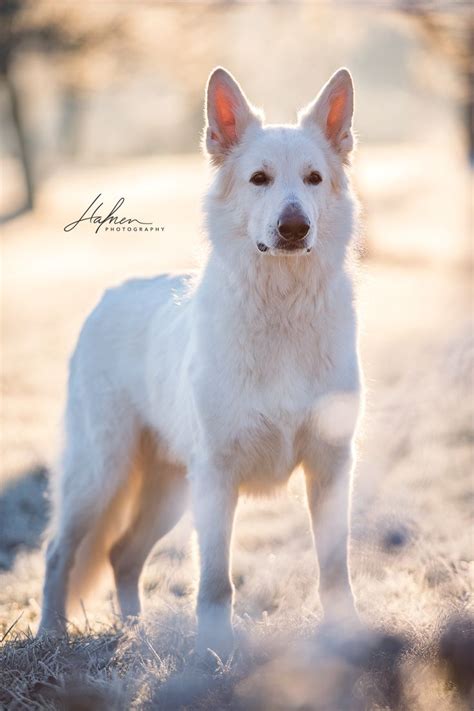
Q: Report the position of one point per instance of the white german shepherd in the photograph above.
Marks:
(226, 384)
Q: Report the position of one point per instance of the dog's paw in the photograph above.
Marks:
(215, 646)
(51, 630)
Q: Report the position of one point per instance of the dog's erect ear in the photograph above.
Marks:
(228, 114)
(332, 111)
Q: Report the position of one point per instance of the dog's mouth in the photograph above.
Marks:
(285, 249)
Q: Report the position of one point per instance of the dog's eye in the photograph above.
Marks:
(260, 178)
(314, 178)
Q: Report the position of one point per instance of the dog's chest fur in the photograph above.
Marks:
(266, 452)
(280, 353)
(272, 419)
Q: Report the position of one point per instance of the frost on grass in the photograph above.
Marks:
(281, 665)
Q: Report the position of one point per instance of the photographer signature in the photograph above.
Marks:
(91, 215)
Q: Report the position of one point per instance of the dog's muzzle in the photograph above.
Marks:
(293, 227)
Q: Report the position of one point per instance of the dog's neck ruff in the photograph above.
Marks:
(269, 292)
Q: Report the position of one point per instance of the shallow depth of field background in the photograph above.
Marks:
(107, 98)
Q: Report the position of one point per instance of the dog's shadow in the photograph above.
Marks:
(23, 514)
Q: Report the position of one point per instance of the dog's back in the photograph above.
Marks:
(111, 354)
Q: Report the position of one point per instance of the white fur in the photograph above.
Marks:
(224, 384)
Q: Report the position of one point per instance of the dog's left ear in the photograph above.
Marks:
(332, 111)
(228, 114)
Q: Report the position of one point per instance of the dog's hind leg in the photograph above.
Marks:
(60, 557)
(159, 506)
(89, 494)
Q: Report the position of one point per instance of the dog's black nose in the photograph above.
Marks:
(293, 224)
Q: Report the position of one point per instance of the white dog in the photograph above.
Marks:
(224, 385)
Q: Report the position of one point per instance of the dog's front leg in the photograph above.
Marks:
(328, 471)
(214, 502)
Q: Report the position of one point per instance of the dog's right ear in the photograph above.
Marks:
(228, 114)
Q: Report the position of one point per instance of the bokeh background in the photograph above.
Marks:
(107, 97)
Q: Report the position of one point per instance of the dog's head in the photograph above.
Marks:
(275, 182)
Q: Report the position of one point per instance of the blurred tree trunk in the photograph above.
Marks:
(71, 119)
(23, 147)
(452, 35)
(470, 97)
